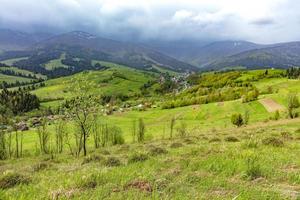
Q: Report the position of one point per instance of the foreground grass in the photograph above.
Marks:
(255, 162)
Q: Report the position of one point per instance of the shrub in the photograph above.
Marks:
(276, 115)
(87, 182)
(112, 162)
(12, 179)
(157, 151)
(231, 139)
(92, 158)
(117, 136)
(141, 130)
(237, 120)
(215, 139)
(251, 143)
(293, 104)
(40, 166)
(176, 145)
(182, 130)
(137, 157)
(273, 141)
(253, 169)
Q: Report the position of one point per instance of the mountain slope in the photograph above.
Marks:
(220, 50)
(79, 49)
(14, 40)
(282, 55)
(111, 50)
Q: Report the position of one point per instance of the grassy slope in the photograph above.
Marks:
(22, 71)
(56, 63)
(12, 61)
(60, 88)
(13, 79)
(200, 169)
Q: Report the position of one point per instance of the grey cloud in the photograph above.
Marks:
(263, 22)
(156, 19)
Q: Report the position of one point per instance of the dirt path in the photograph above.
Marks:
(271, 105)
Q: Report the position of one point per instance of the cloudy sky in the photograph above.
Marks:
(263, 21)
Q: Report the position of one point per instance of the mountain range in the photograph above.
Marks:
(78, 49)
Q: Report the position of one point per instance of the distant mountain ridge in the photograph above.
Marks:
(282, 55)
(183, 55)
(85, 48)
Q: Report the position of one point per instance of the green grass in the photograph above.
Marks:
(13, 79)
(56, 63)
(22, 71)
(199, 169)
(10, 62)
(104, 82)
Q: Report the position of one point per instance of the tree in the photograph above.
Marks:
(237, 119)
(293, 104)
(80, 110)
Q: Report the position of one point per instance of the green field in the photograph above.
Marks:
(225, 164)
(13, 79)
(22, 71)
(103, 82)
(10, 62)
(56, 63)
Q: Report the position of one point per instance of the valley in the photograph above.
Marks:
(83, 117)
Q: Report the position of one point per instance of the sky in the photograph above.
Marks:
(262, 21)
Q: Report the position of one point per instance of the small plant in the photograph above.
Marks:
(157, 151)
(12, 179)
(246, 117)
(141, 130)
(273, 141)
(231, 139)
(215, 139)
(293, 104)
(172, 124)
(276, 115)
(253, 169)
(237, 120)
(92, 158)
(176, 145)
(40, 166)
(182, 130)
(137, 157)
(112, 162)
(87, 182)
(251, 143)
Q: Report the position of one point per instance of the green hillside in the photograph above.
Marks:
(117, 79)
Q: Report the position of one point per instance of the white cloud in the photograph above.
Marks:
(256, 20)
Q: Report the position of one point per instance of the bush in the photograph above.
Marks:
(253, 169)
(176, 145)
(231, 139)
(157, 151)
(87, 182)
(293, 104)
(13, 179)
(273, 141)
(92, 158)
(182, 130)
(215, 139)
(237, 120)
(137, 157)
(40, 166)
(112, 162)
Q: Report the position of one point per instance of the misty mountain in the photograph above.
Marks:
(81, 48)
(282, 55)
(201, 53)
(15, 40)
